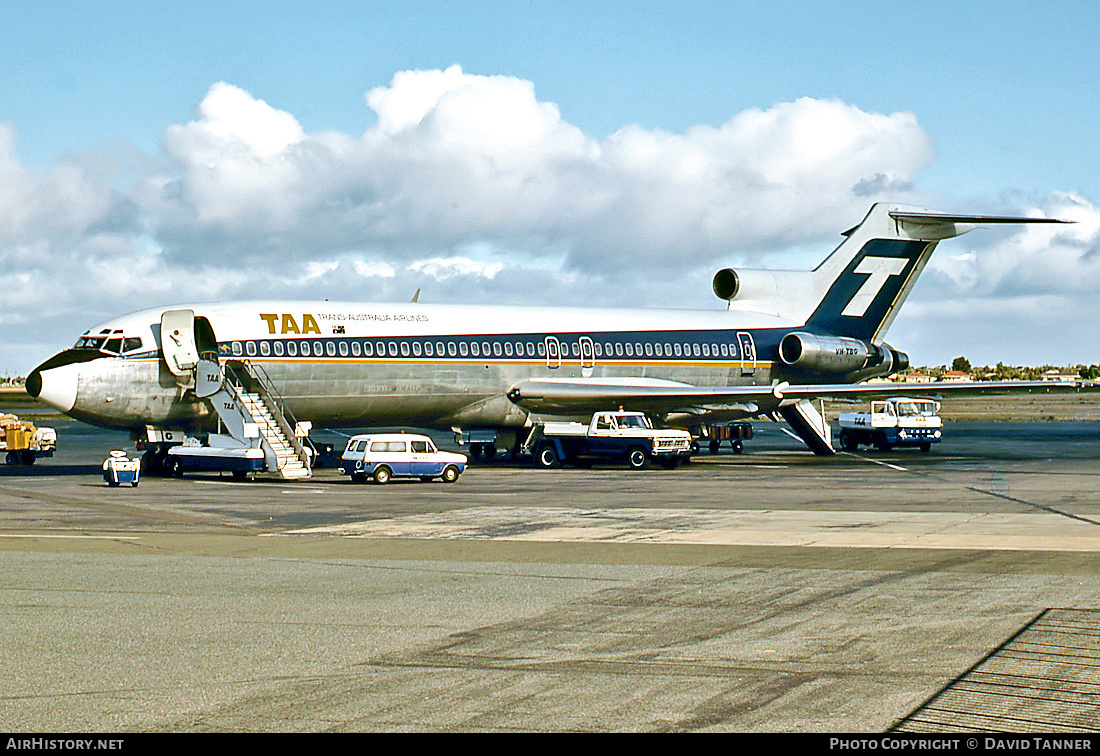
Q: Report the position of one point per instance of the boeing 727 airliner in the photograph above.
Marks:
(786, 338)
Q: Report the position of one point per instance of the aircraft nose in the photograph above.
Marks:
(56, 386)
(34, 383)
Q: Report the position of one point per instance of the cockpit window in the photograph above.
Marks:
(115, 344)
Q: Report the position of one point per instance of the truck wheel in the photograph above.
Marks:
(738, 446)
(882, 444)
(12, 458)
(926, 447)
(28, 457)
(637, 458)
(848, 441)
(547, 456)
(382, 475)
(450, 474)
(176, 468)
(714, 445)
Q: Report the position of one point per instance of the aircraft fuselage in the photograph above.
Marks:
(351, 365)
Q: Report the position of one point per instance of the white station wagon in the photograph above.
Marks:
(382, 456)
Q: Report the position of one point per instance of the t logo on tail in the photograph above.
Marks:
(880, 269)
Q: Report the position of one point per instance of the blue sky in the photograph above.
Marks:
(1003, 93)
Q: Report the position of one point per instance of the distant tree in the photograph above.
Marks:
(961, 364)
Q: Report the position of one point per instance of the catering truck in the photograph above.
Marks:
(626, 436)
(899, 421)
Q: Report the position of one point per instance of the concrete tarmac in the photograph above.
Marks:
(768, 591)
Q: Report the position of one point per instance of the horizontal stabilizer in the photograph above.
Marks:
(935, 226)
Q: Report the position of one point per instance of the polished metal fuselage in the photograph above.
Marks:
(134, 393)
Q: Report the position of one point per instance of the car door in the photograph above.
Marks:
(424, 459)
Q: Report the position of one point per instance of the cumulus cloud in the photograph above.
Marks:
(469, 187)
(455, 158)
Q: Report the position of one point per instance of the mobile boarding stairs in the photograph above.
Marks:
(254, 419)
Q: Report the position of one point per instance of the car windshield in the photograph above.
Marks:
(632, 421)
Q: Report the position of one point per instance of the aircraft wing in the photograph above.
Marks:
(573, 396)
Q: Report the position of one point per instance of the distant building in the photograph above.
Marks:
(917, 377)
(1059, 375)
(956, 376)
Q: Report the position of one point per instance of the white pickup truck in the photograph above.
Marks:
(620, 435)
(899, 421)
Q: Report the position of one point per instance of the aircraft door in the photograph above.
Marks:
(748, 353)
(177, 342)
(553, 353)
(588, 356)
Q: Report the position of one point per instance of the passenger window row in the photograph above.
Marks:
(517, 349)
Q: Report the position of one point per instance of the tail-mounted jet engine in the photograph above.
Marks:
(838, 354)
(730, 284)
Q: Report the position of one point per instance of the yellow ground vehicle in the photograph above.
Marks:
(23, 442)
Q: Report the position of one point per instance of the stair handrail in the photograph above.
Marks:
(238, 384)
(270, 394)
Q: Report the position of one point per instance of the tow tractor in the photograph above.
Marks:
(899, 421)
(628, 436)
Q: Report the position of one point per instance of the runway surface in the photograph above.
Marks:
(769, 591)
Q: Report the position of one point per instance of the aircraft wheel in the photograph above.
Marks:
(382, 475)
(450, 474)
(636, 458)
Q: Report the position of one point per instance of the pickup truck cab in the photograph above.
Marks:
(628, 436)
(382, 456)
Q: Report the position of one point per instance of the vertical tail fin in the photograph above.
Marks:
(868, 277)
